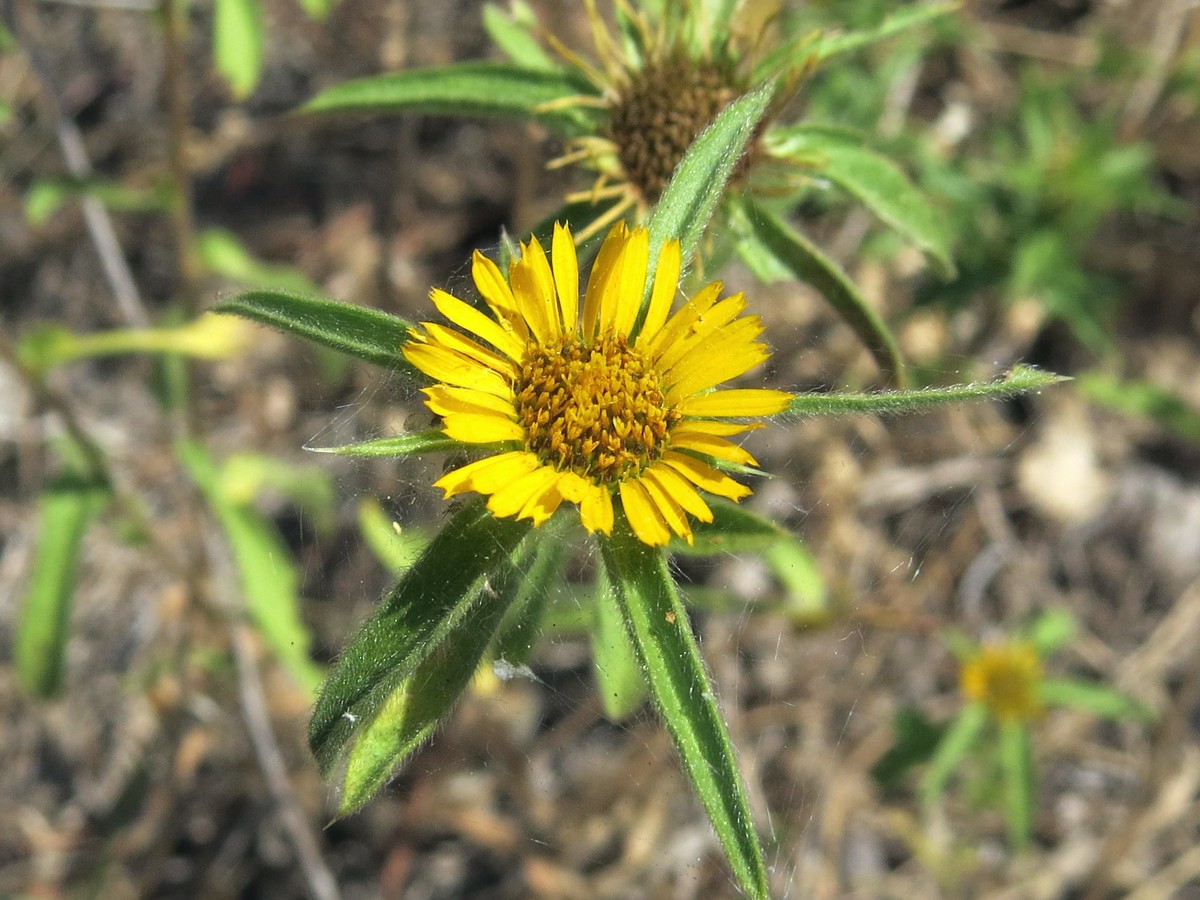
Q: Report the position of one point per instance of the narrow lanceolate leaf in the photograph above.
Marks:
(809, 50)
(368, 334)
(1016, 762)
(618, 674)
(412, 444)
(873, 179)
(522, 624)
(269, 579)
(463, 89)
(414, 709)
(691, 196)
(756, 225)
(734, 529)
(514, 35)
(1097, 699)
(441, 590)
(396, 548)
(238, 43)
(65, 509)
(670, 658)
(1018, 380)
(953, 748)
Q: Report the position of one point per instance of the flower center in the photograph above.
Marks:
(597, 409)
(1005, 678)
(660, 112)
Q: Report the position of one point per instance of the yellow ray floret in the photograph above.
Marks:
(611, 407)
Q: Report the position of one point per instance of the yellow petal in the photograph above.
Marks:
(666, 284)
(704, 476)
(699, 332)
(708, 426)
(670, 511)
(490, 283)
(543, 504)
(737, 403)
(680, 489)
(512, 497)
(445, 401)
(440, 335)
(566, 275)
(596, 509)
(486, 428)
(447, 366)
(730, 357)
(643, 515)
(709, 445)
(602, 270)
(470, 319)
(677, 326)
(622, 298)
(533, 286)
(573, 487)
(487, 475)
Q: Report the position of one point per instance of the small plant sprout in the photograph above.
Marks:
(1006, 694)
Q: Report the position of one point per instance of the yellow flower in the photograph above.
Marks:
(609, 404)
(1004, 677)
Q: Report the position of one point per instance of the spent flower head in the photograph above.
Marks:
(611, 403)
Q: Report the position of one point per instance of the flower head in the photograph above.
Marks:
(609, 404)
(1004, 676)
(656, 88)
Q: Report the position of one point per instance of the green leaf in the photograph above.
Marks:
(396, 549)
(367, 334)
(522, 625)
(269, 580)
(698, 183)
(1142, 398)
(413, 710)
(1016, 762)
(223, 253)
(238, 39)
(211, 336)
(674, 670)
(1097, 699)
(411, 444)
(811, 49)
(873, 179)
(65, 509)
(734, 529)
(46, 196)
(619, 679)
(1018, 380)
(953, 748)
(513, 33)
(807, 596)
(1051, 630)
(444, 587)
(916, 739)
(317, 10)
(806, 262)
(493, 89)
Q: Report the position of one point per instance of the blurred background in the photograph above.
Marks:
(162, 752)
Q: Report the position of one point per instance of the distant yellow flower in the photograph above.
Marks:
(1005, 677)
(613, 404)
